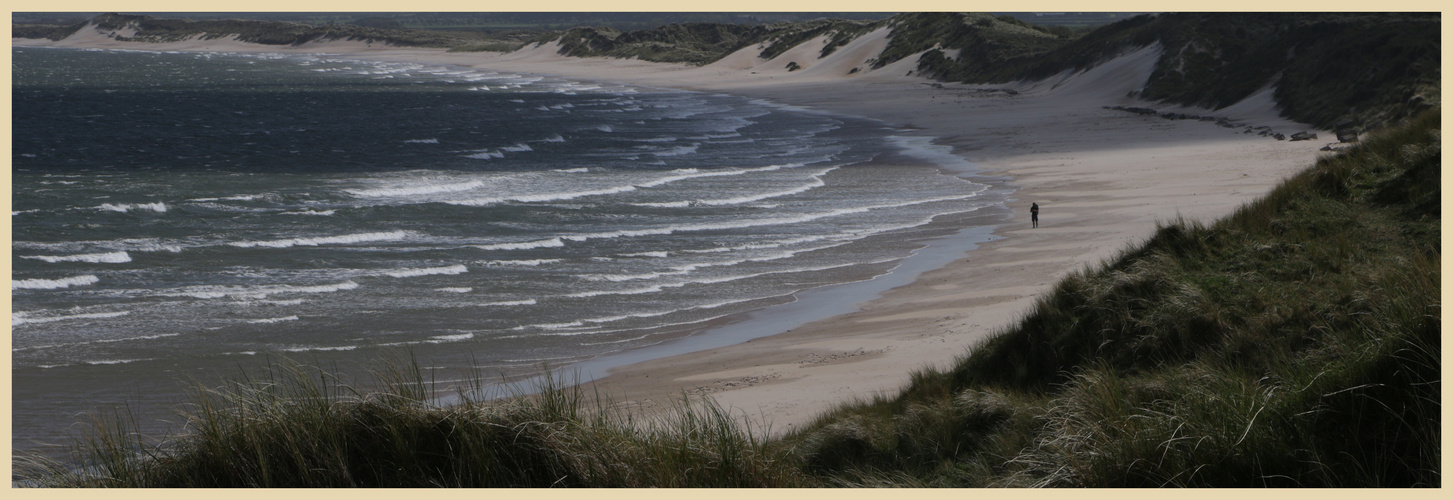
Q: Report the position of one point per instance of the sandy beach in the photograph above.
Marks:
(1103, 179)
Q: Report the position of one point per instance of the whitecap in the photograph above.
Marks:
(44, 284)
(543, 197)
(95, 258)
(23, 318)
(127, 207)
(417, 189)
(410, 273)
(324, 240)
(527, 263)
(526, 302)
(273, 320)
(524, 245)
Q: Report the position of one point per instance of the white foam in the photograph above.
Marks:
(941, 155)
(325, 240)
(528, 263)
(815, 183)
(525, 245)
(311, 212)
(517, 148)
(112, 361)
(550, 326)
(127, 207)
(554, 138)
(273, 320)
(536, 198)
(678, 151)
(451, 338)
(422, 141)
(670, 204)
(455, 289)
(305, 349)
(410, 273)
(486, 155)
(573, 170)
(257, 292)
(44, 284)
(23, 318)
(418, 189)
(95, 258)
(526, 302)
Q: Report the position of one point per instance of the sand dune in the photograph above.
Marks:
(1103, 178)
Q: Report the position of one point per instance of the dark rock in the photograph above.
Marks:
(1303, 136)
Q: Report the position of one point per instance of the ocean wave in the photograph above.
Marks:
(815, 183)
(418, 189)
(253, 292)
(94, 258)
(306, 349)
(527, 263)
(526, 302)
(24, 318)
(410, 273)
(324, 240)
(536, 198)
(127, 207)
(422, 141)
(486, 155)
(310, 212)
(455, 289)
(44, 284)
(450, 338)
(524, 245)
(265, 321)
(573, 170)
(678, 151)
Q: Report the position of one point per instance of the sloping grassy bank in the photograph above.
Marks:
(1295, 343)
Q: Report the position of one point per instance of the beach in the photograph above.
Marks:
(1103, 178)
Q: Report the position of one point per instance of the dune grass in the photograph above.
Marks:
(297, 426)
(1295, 343)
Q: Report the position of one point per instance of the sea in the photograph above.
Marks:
(186, 218)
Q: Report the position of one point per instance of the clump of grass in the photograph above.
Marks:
(296, 426)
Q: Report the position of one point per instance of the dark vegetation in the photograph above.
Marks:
(1367, 69)
(1296, 343)
(1374, 69)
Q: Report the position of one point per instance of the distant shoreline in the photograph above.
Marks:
(1103, 177)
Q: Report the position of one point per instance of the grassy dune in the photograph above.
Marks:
(1295, 343)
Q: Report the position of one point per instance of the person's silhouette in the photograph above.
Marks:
(1034, 214)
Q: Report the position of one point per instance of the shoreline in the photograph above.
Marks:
(1104, 178)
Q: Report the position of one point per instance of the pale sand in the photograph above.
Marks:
(1103, 178)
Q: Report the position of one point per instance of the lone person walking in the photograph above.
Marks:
(1034, 214)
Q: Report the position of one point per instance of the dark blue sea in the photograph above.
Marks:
(189, 216)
